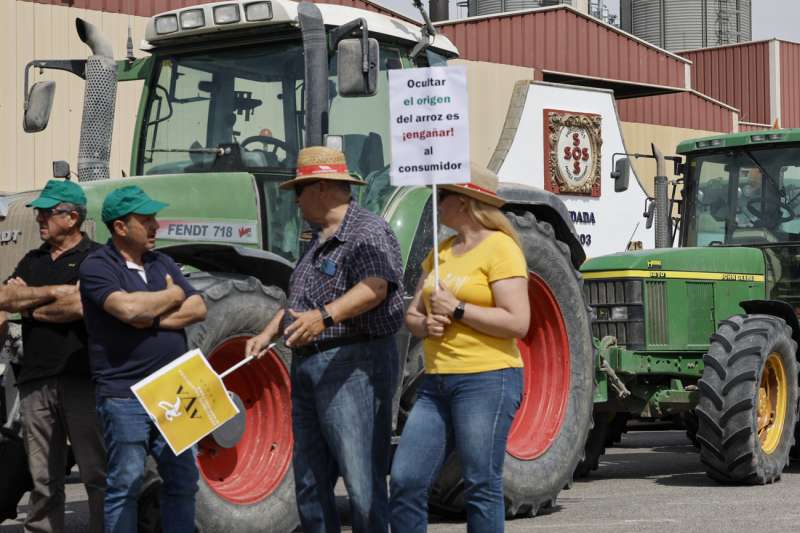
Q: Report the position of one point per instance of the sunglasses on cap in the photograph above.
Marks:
(47, 213)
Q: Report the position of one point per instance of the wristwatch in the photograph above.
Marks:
(327, 319)
(458, 312)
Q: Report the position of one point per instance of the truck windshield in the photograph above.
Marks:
(230, 109)
(744, 196)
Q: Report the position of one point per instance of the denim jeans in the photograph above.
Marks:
(130, 435)
(471, 413)
(342, 423)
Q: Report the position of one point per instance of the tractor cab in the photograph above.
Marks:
(744, 190)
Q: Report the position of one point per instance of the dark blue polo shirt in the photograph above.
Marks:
(119, 354)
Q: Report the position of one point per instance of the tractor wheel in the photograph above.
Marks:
(595, 445)
(250, 485)
(748, 400)
(546, 439)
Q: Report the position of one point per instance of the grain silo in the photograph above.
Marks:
(688, 24)
(476, 8)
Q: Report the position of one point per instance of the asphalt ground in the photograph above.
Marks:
(651, 482)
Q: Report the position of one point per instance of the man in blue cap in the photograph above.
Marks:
(56, 394)
(136, 305)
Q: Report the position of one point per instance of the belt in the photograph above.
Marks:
(314, 348)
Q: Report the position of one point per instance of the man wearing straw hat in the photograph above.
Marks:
(344, 306)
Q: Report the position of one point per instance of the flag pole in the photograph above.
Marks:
(246, 360)
(435, 237)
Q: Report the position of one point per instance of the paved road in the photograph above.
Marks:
(652, 482)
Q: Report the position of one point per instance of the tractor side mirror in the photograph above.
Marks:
(357, 68)
(61, 169)
(621, 174)
(38, 105)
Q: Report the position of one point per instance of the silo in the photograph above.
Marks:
(476, 8)
(687, 24)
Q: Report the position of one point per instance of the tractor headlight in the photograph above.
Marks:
(192, 19)
(227, 14)
(166, 24)
(257, 11)
(619, 313)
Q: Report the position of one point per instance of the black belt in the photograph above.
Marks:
(313, 348)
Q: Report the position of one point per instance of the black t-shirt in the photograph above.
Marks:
(51, 349)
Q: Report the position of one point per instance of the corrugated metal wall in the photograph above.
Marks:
(790, 84)
(681, 110)
(564, 41)
(34, 30)
(737, 75)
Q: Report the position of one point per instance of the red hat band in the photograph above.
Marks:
(309, 170)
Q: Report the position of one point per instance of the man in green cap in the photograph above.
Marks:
(56, 393)
(136, 304)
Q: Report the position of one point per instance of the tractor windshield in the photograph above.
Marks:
(744, 196)
(225, 110)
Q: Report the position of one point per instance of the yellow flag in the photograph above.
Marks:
(186, 399)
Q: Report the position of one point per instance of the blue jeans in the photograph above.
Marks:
(471, 413)
(130, 435)
(342, 423)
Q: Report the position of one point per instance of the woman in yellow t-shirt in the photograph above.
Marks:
(473, 371)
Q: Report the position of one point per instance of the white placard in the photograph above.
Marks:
(430, 125)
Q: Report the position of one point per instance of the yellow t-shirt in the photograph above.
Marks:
(463, 350)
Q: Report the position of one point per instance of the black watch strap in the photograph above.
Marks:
(327, 319)
(458, 312)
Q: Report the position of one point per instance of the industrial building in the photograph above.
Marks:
(661, 96)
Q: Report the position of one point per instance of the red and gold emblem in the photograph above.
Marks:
(572, 150)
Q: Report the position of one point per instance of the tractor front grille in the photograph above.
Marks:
(617, 309)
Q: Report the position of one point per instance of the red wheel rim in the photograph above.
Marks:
(251, 470)
(545, 352)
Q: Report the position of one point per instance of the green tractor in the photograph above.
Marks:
(231, 92)
(709, 330)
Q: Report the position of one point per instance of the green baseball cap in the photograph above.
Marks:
(57, 191)
(126, 200)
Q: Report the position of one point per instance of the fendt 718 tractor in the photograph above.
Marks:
(232, 91)
(710, 329)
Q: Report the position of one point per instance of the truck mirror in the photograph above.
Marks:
(61, 169)
(621, 174)
(357, 69)
(38, 104)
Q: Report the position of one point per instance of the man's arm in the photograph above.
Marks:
(193, 309)
(139, 309)
(65, 308)
(16, 296)
(363, 296)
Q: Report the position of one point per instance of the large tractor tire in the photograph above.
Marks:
(248, 487)
(595, 445)
(548, 434)
(748, 400)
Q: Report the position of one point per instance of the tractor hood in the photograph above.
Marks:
(711, 263)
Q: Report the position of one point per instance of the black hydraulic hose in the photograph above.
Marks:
(315, 48)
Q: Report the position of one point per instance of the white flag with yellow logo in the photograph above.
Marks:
(186, 399)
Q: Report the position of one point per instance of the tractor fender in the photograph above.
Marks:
(776, 308)
(269, 268)
(546, 207)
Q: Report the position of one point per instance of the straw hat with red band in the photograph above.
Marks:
(321, 163)
(482, 186)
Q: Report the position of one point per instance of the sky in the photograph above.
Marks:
(771, 18)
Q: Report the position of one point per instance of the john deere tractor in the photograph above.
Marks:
(709, 330)
(232, 91)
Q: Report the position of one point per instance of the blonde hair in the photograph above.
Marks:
(492, 218)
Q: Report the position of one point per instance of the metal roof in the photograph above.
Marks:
(567, 45)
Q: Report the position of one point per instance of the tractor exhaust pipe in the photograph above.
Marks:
(99, 101)
(663, 216)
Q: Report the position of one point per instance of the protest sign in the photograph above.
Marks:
(430, 125)
(186, 399)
